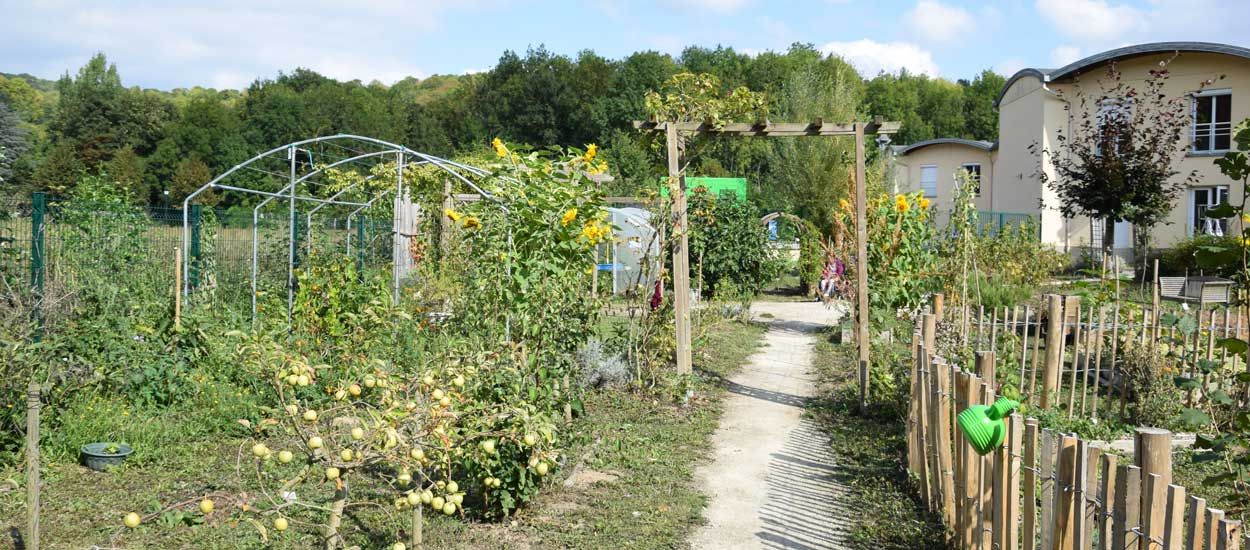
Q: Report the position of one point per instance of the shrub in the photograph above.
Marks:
(728, 244)
(1157, 402)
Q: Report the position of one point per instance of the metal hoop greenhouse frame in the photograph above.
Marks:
(291, 190)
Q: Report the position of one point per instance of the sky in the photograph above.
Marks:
(229, 43)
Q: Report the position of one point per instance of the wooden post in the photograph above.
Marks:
(994, 330)
(936, 476)
(961, 449)
(1093, 406)
(985, 504)
(1090, 501)
(1030, 484)
(1054, 343)
(1195, 523)
(177, 288)
(1173, 528)
(969, 464)
(1229, 537)
(1073, 304)
(942, 403)
(32, 466)
(939, 304)
(417, 527)
(1106, 493)
(914, 449)
(1154, 508)
(1048, 490)
(861, 255)
(985, 368)
(1152, 452)
(922, 406)
(1065, 481)
(1024, 349)
(1037, 341)
(1080, 480)
(1214, 517)
(1015, 440)
(1125, 522)
(681, 250)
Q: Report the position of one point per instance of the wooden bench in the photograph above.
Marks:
(1202, 290)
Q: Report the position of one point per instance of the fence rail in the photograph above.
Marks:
(1043, 490)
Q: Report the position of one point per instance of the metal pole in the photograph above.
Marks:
(255, 239)
(401, 213)
(290, 262)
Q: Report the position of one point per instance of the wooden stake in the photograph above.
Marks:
(1054, 343)
(1037, 341)
(1030, 484)
(1065, 509)
(985, 368)
(1214, 517)
(1080, 480)
(1195, 523)
(1024, 349)
(1076, 350)
(681, 253)
(1048, 497)
(1125, 522)
(33, 403)
(861, 264)
(985, 504)
(1229, 537)
(939, 304)
(942, 392)
(1154, 508)
(1097, 365)
(1173, 528)
(1106, 494)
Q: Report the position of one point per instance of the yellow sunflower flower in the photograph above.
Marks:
(568, 217)
(844, 204)
(591, 151)
(900, 204)
(924, 203)
(472, 223)
(499, 147)
(455, 216)
(1245, 218)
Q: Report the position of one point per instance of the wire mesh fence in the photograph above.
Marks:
(993, 223)
(51, 250)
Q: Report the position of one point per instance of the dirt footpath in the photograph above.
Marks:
(771, 481)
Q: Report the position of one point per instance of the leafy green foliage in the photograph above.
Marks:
(728, 245)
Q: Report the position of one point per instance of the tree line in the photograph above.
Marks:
(157, 142)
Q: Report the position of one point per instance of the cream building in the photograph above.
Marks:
(1032, 109)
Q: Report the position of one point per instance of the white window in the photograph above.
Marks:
(973, 171)
(1213, 121)
(928, 180)
(1114, 119)
(1200, 201)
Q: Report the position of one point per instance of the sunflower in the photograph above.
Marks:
(568, 217)
(472, 223)
(499, 147)
(845, 204)
(591, 151)
(900, 204)
(455, 216)
(924, 203)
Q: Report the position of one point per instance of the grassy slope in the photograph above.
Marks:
(871, 451)
(651, 445)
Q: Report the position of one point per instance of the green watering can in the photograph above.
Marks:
(984, 426)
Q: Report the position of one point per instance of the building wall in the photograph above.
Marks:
(1030, 113)
(948, 158)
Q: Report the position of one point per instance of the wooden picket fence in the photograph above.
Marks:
(1065, 355)
(1043, 490)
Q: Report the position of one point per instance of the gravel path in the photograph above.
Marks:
(772, 479)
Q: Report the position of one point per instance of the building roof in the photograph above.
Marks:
(1049, 75)
(982, 145)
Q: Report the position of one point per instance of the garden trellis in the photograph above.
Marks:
(317, 156)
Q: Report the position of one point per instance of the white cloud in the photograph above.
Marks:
(1092, 20)
(226, 44)
(1009, 66)
(1062, 55)
(718, 6)
(871, 57)
(939, 23)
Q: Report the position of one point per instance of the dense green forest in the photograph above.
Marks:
(153, 141)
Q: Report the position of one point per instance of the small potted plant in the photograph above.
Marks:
(104, 455)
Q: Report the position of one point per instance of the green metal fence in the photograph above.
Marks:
(51, 249)
(993, 223)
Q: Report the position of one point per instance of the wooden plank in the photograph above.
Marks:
(913, 439)
(1174, 526)
(926, 494)
(681, 252)
(1065, 482)
(1152, 452)
(986, 368)
(1093, 406)
(1037, 341)
(1049, 448)
(1195, 523)
(1106, 494)
(1024, 353)
(770, 129)
(1154, 498)
(861, 266)
(1127, 506)
(1000, 495)
(1029, 526)
(994, 330)
(1074, 302)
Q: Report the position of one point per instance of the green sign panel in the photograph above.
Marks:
(715, 186)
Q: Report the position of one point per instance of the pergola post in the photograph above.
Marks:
(681, 251)
(861, 264)
(681, 259)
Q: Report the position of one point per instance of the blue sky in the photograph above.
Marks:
(228, 43)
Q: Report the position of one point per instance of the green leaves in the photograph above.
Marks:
(1194, 419)
(1232, 345)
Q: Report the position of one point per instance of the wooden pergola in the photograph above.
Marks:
(673, 135)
